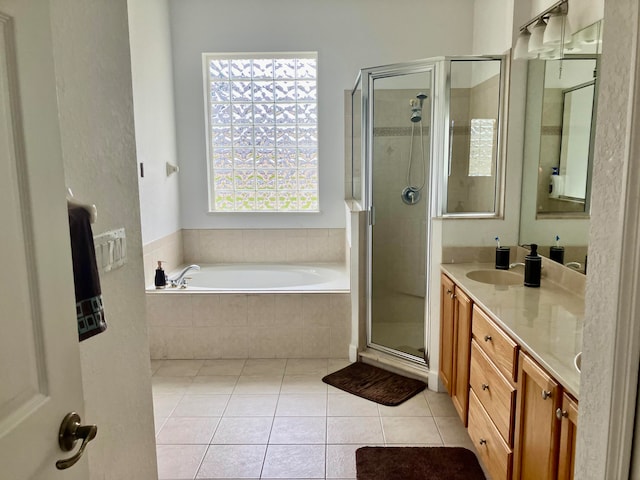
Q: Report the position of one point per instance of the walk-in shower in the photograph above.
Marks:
(400, 169)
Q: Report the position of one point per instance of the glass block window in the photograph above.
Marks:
(481, 148)
(262, 132)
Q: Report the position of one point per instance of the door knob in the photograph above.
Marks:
(71, 431)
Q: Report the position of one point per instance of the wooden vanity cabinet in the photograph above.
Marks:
(493, 394)
(568, 416)
(537, 428)
(521, 422)
(455, 344)
(447, 292)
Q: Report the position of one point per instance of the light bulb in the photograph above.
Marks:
(553, 34)
(521, 50)
(536, 41)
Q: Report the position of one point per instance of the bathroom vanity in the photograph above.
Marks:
(507, 360)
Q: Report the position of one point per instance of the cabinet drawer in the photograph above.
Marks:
(502, 351)
(492, 449)
(495, 393)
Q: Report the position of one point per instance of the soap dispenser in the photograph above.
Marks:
(161, 278)
(532, 267)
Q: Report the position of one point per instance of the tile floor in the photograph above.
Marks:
(275, 418)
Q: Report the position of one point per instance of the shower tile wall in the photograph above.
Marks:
(209, 326)
(466, 193)
(399, 239)
(550, 139)
(305, 245)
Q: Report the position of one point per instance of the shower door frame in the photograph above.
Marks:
(434, 67)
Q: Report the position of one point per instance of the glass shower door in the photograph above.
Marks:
(400, 115)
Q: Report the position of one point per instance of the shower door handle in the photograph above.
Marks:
(450, 148)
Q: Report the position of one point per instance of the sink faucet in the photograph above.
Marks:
(575, 265)
(179, 280)
(513, 265)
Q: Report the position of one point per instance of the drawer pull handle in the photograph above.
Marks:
(485, 386)
(560, 414)
(546, 394)
(483, 441)
(487, 338)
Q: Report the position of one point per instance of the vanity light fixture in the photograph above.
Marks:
(543, 33)
(536, 42)
(521, 50)
(554, 34)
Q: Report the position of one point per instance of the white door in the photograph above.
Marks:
(40, 378)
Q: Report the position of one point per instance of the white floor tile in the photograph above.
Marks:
(232, 461)
(362, 430)
(298, 431)
(416, 406)
(276, 419)
(201, 406)
(346, 405)
(179, 461)
(294, 461)
(258, 384)
(302, 405)
(251, 406)
(303, 384)
(212, 384)
(419, 430)
(187, 430)
(243, 430)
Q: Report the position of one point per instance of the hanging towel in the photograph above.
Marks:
(89, 308)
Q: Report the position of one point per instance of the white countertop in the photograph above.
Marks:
(546, 322)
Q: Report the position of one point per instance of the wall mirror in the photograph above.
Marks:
(566, 127)
(475, 102)
(561, 111)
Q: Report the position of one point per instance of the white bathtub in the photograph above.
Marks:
(255, 278)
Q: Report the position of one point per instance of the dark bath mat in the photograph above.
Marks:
(417, 463)
(375, 384)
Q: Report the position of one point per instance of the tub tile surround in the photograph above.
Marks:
(169, 249)
(304, 245)
(209, 326)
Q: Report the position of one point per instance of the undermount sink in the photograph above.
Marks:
(496, 277)
(577, 362)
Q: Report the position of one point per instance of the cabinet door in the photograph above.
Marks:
(462, 309)
(447, 296)
(568, 431)
(537, 432)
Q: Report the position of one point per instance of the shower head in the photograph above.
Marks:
(416, 115)
(422, 97)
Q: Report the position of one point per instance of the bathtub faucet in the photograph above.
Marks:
(179, 280)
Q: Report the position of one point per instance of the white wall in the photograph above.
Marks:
(93, 73)
(612, 252)
(152, 72)
(492, 20)
(347, 35)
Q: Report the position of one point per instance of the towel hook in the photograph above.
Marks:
(93, 211)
